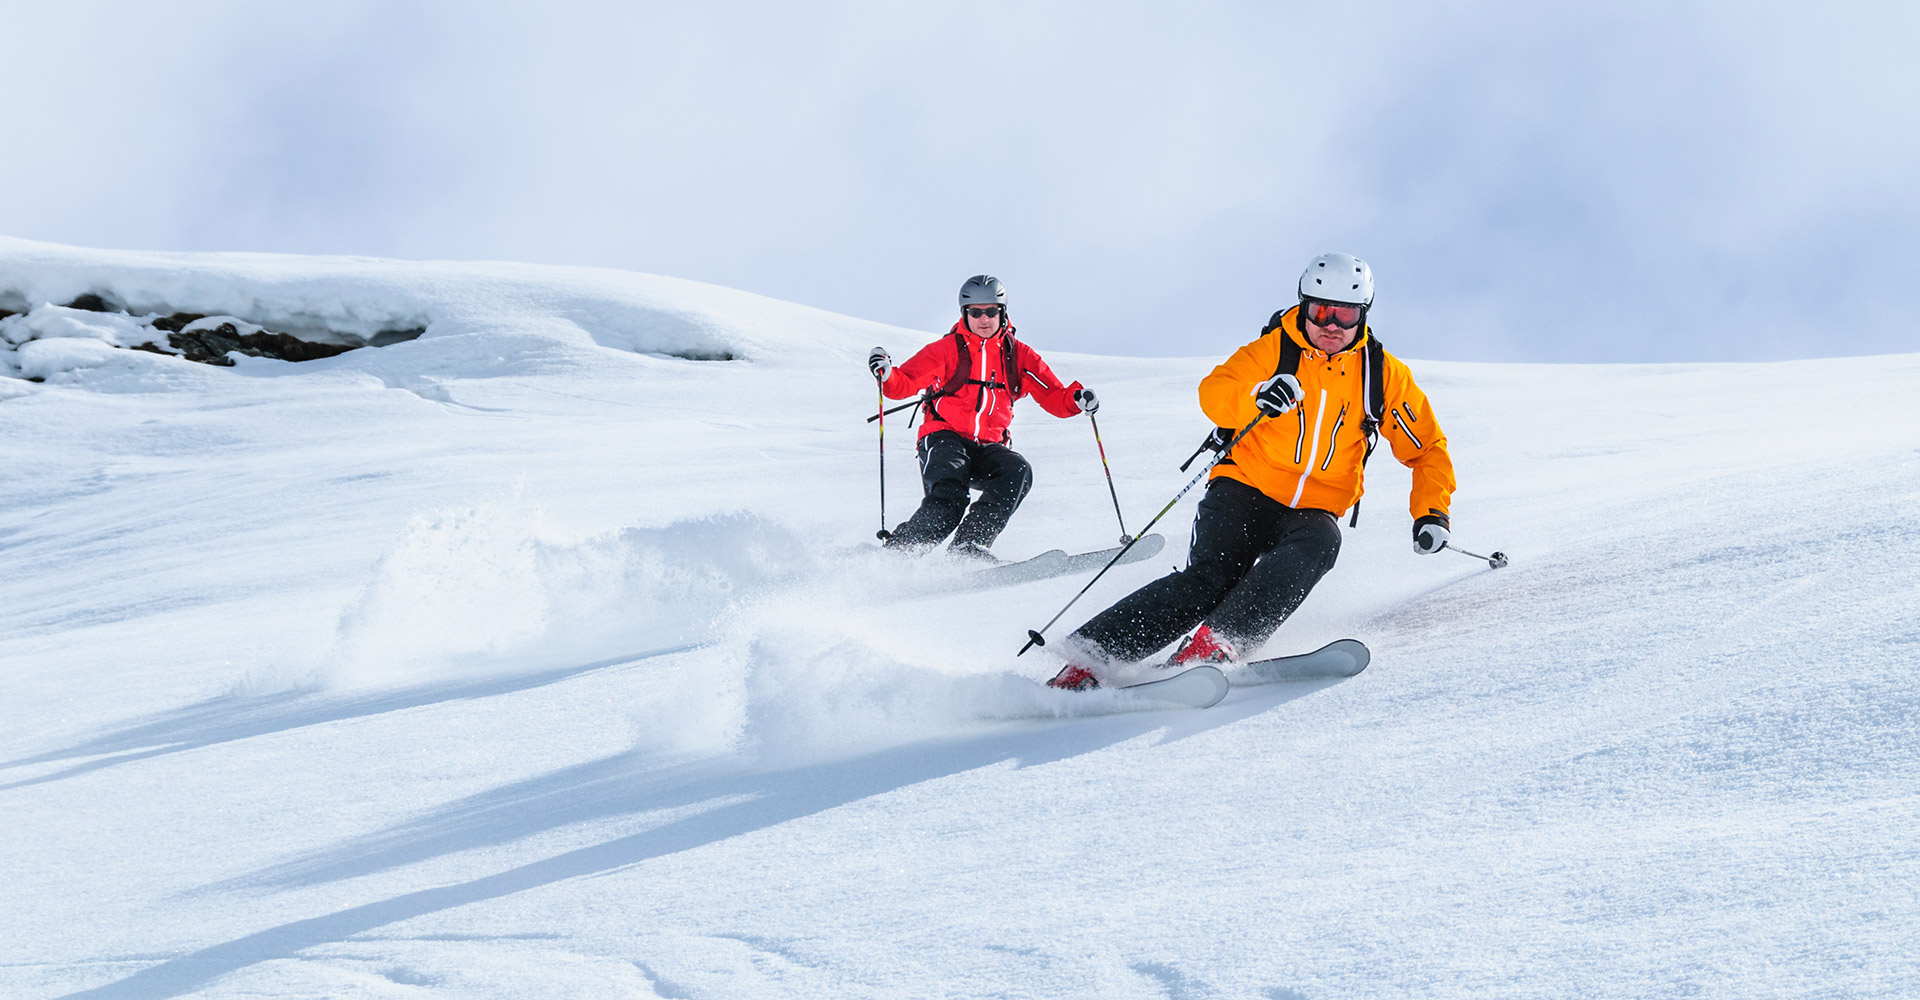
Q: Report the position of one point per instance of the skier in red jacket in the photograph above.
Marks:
(971, 377)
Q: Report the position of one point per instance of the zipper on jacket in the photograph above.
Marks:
(1319, 414)
(1333, 439)
(1300, 438)
(1404, 429)
(980, 391)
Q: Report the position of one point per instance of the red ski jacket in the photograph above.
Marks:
(974, 395)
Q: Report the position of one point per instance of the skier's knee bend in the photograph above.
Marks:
(1011, 479)
(1210, 580)
(1025, 480)
(1320, 542)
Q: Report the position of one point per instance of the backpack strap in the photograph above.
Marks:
(1373, 374)
(962, 363)
(963, 369)
(1289, 350)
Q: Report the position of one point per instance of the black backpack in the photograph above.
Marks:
(1009, 365)
(1375, 363)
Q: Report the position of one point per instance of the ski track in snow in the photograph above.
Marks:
(529, 659)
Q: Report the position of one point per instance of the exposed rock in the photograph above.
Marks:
(210, 346)
(209, 339)
(92, 303)
(287, 347)
(176, 322)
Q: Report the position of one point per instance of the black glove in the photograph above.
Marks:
(879, 363)
(1430, 534)
(1086, 401)
(1277, 395)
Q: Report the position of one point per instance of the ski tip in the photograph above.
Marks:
(1218, 680)
(1336, 660)
(1146, 547)
(1354, 650)
(1215, 680)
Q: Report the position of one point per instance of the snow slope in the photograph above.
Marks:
(532, 658)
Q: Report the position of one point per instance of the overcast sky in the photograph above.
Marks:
(1531, 182)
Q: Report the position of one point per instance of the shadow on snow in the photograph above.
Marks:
(223, 720)
(759, 799)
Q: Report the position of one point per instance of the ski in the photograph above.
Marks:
(1032, 568)
(1055, 562)
(1195, 687)
(1339, 658)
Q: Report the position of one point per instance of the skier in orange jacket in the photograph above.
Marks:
(1268, 528)
(973, 375)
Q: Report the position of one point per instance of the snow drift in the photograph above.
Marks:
(542, 656)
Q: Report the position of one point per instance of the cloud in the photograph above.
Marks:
(1634, 182)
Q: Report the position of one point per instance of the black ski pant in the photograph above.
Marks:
(1252, 562)
(951, 466)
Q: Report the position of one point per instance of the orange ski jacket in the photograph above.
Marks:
(981, 405)
(1312, 456)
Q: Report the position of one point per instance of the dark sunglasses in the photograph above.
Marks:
(1346, 317)
(980, 312)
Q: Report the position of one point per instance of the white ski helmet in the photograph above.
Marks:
(1338, 277)
(983, 290)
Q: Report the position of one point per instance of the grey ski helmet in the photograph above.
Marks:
(983, 290)
(1338, 277)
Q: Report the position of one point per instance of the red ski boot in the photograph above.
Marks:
(1203, 646)
(1074, 677)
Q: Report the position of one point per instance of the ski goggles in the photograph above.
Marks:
(982, 312)
(1339, 314)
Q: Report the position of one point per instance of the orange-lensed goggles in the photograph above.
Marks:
(1339, 314)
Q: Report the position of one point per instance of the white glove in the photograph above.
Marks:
(879, 363)
(1429, 536)
(1086, 400)
(1277, 395)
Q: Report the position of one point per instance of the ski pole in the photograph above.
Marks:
(1035, 636)
(881, 387)
(1495, 561)
(1124, 537)
(882, 415)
